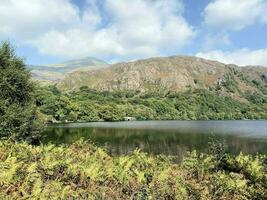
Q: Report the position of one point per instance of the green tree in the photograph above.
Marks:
(18, 118)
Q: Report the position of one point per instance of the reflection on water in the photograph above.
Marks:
(167, 137)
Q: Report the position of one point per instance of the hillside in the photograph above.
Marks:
(56, 72)
(176, 73)
(173, 88)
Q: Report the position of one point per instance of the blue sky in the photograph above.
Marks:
(52, 31)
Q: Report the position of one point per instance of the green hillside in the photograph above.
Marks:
(91, 105)
(169, 88)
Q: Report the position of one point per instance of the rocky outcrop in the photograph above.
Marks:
(176, 73)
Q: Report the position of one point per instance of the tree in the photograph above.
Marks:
(18, 118)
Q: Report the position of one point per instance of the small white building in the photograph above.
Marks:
(129, 118)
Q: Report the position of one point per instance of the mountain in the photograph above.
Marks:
(56, 72)
(176, 73)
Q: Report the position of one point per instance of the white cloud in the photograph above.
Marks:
(216, 40)
(235, 14)
(24, 19)
(124, 29)
(240, 57)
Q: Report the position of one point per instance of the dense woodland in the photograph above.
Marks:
(89, 105)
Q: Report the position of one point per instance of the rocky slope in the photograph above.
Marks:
(176, 73)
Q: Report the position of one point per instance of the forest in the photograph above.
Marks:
(88, 105)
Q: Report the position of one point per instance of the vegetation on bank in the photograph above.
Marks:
(90, 105)
(83, 171)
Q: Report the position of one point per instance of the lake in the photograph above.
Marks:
(167, 137)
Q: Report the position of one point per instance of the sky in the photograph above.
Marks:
(52, 31)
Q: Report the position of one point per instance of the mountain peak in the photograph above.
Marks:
(56, 72)
(85, 61)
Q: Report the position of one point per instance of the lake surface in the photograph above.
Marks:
(167, 137)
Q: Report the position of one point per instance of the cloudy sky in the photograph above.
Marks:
(50, 31)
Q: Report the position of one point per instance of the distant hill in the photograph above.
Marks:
(176, 73)
(57, 72)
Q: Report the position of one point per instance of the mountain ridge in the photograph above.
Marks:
(53, 73)
(174, 73)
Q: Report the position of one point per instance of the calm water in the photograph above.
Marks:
(168, 137)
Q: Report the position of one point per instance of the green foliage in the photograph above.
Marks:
(229, 82)
(84, 171)
(90, 105)
(17, 108)
(260, 86)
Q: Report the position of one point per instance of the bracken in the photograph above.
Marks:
(84, 171)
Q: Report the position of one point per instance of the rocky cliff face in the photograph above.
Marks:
(176, 73)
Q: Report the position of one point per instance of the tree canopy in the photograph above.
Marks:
(90, 105)
(17, 108)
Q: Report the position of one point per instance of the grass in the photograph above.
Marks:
(84, 171)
